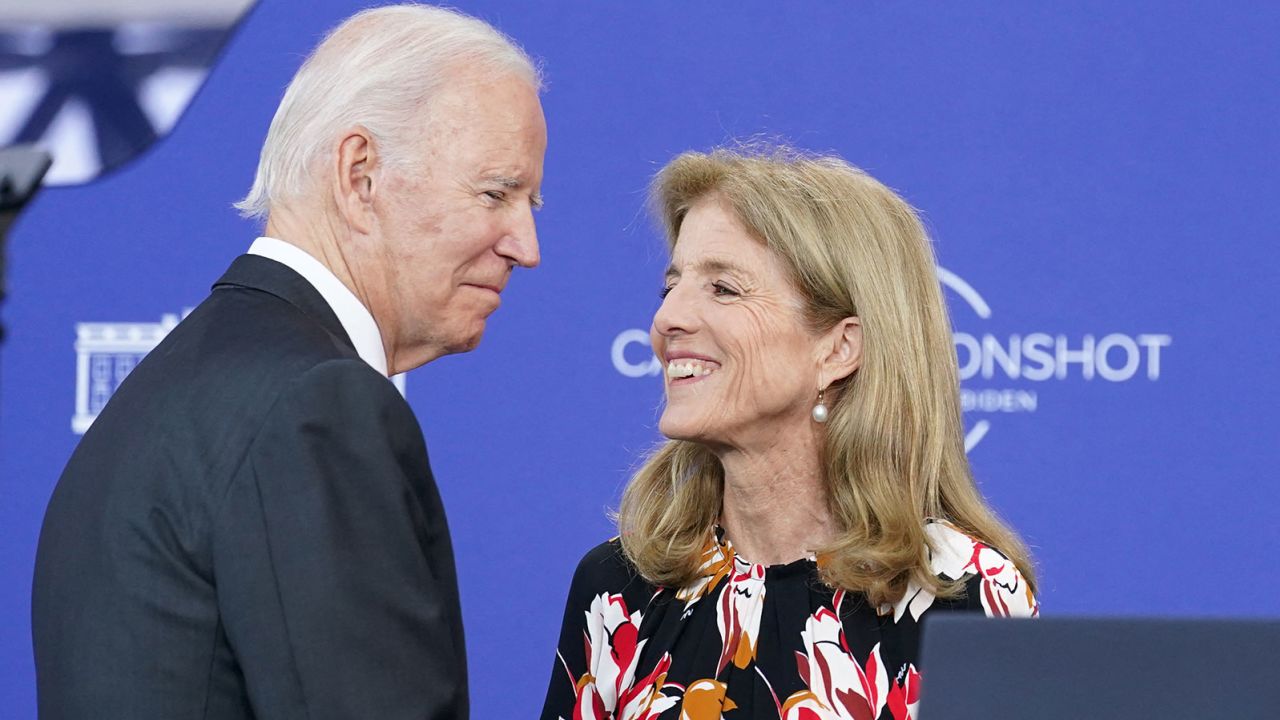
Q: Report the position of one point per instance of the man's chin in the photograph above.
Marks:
(468, 343)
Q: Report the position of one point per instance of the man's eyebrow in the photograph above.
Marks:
(512, 183)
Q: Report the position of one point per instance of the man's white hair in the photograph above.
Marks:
(379, 69)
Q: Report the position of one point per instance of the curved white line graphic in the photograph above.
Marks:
(975, 434)
(983, 310)
(966, 291)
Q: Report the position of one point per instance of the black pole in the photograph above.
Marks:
(22, 167)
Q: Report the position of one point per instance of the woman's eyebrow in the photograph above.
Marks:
(709, 266)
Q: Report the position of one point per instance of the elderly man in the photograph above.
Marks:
(251, 527)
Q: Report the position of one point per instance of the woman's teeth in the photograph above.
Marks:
(692, 368)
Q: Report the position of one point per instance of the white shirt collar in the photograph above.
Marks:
(354, 316)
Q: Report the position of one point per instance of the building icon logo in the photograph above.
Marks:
(105, 355)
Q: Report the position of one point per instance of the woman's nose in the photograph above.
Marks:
(676, 313)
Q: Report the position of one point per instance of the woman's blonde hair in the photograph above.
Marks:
(894, 452)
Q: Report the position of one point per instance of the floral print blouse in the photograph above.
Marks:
(749, 641)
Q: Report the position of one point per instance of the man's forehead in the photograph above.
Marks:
(474, 92)
(500, 139)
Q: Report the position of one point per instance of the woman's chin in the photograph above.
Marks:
(677, 426)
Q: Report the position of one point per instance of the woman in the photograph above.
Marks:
(814, 501)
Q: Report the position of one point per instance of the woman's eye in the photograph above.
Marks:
(664, 292)
(724, 290)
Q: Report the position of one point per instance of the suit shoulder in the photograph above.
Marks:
(348, 397)
(348, 382)
(350, 373)
(231, 357)
(255, 326)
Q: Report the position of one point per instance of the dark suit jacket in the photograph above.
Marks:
(250, 529)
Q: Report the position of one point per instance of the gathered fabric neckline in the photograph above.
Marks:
(729, 553)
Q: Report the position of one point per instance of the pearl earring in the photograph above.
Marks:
(819, 412)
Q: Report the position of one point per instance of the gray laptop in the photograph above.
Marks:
(1099, 668)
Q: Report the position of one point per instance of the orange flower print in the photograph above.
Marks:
(738, 615)
(705, 700)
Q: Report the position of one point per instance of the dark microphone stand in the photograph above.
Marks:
(22, 167)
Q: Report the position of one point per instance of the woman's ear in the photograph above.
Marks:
(353, 186)
(842, 348)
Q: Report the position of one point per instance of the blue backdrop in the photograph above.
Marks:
(1101, 181)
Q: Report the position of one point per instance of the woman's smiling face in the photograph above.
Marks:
(741, 361)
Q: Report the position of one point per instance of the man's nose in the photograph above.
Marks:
(520, 243)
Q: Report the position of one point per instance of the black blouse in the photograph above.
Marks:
(749, 641)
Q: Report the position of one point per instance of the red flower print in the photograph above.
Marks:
(904, 696)
(840, 687)
(608, 690)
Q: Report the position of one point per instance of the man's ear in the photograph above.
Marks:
(355, 177)
(842, 345)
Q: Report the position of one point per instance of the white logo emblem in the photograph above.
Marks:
(1011, 361)
(105, 355)
(1037, 357)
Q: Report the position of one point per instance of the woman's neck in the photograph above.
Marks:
(775, 506)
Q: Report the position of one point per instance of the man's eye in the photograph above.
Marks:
(724, 290)
(664, 292)
(495, 195)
